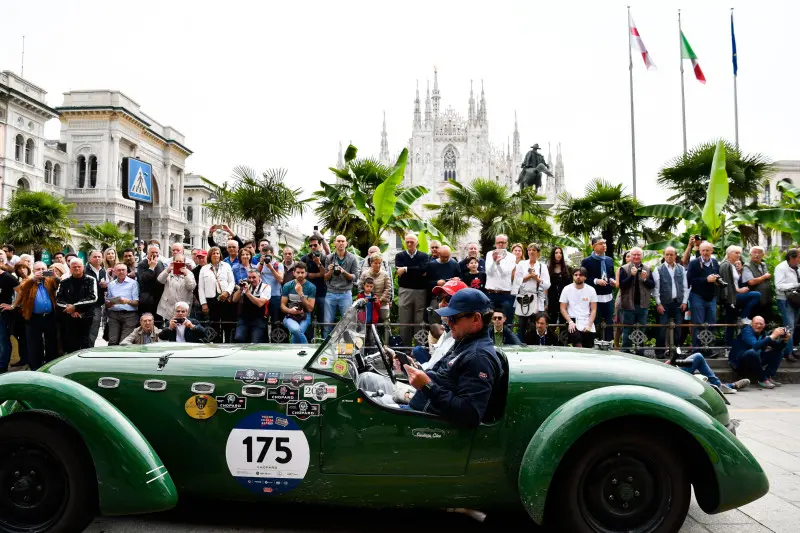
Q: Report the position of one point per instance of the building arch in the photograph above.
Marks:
(48, 172)
(29, 151)
(56, 174)
(450, 163)
(92, 171)
(81, 171)
(19, 148)
(23, 184)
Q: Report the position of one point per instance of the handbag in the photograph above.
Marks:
(793, 295)
(527, 303)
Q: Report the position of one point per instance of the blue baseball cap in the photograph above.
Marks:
(466, 301)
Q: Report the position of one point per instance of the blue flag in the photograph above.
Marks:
(733, 45)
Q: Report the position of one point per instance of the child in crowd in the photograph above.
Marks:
(473, 278)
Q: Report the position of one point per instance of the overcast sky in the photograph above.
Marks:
(270, 84)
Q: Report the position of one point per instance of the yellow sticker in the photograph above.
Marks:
(201, 406)
(344, 349)
(340, 367)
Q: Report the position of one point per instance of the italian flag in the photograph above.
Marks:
(688, 53)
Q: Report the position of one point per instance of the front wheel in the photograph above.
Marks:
(47, 481)
(620, 480)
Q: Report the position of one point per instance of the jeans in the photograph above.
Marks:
(747, 302)
(97, 314)
(334, 301)
(38, 327)
(251, 330)
(637, 315)
(318, 313)
(5, 338)
(789, 315)
(421, 354)
(76, 333)
(671, 311)
(605, 313)
(275, 308)
(703, 312)
(763, 364)
(504, 302)
(297, 330)
(700, 366)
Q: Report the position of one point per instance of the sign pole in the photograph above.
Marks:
(137, 220)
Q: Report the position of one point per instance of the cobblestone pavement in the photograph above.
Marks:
(770, 429)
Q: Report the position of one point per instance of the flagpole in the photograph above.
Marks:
(735, 95)
(633, 130)
(683, 95)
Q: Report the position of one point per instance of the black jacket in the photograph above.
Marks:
(196, 334)
(101, 293)
(150, 290)
(80, 292)
(461, 387)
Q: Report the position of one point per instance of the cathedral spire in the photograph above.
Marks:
(471, 113)
(384, 155)
(436, 96)
(417, 115)
(482, 108)
(428, 104)
(516, 140)
(340, 159)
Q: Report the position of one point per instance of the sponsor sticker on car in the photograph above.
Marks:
(302, 409)
(231, 402)
(283, 394)
(319, 391)
(249, 376)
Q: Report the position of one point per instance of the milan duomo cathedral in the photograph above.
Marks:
(444, 146)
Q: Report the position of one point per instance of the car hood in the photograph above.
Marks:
(585, 369)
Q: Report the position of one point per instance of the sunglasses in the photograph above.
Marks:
(497, 318)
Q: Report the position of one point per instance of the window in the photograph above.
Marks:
(189, 213)
(18, 148)
(23, 185)
(81, 172)
(172, 195)
(449, 164)
(92, 171)
(48, 172)
(57, 175)
(29, 152)
(767, 199)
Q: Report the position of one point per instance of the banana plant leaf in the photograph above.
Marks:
(350, 153)
(788, 189)
(668, 211)
(777, 215)
(384, 199)
(660, 245)
(717, 194)
(408, 197)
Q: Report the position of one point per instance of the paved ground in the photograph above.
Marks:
(770, 428)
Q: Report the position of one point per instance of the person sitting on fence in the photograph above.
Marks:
(635, 285)
(540, 335)
(181, 329)
(145, 333)
(696, 363)
(579, 308)
(500, 333)
(297, 301)
(756, 353)
(736, 300)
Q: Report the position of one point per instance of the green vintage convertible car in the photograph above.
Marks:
(583, 440)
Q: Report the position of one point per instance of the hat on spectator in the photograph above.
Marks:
(466, 301)
(452, 286)
(201, 253)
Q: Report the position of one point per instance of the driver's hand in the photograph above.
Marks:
(416, 378)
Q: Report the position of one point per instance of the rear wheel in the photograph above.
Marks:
(47, 480)
(620, 479)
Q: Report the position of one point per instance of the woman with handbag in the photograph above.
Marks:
(215, 286)
(533, 280)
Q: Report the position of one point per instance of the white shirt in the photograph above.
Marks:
(211, 285)
(442, 346)
(671, 270)
(532, 286)
(180, 331)
(498, 275)
(785, 279)
(579, 304)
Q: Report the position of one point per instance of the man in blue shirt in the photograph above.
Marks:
(122, 299)
(297, 301)
(36, 301)
(272, 274)
(758, 354)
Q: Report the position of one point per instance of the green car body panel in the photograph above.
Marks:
(131, 477)
(363, 453)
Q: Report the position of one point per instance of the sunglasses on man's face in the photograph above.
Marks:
(497, 318)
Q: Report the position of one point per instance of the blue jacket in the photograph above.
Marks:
(696, 276)
(749, 340)
(593, 270)
(461, 383)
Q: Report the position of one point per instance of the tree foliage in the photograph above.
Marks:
(493, 209)
(260, 199)
(36, 221)
(605, 209)
(104, 235)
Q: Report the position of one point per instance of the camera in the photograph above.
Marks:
(243, 283)
(337, 270)
(180, 320)
(721, 282)
(698, 238)
(316, 253)
(268, 258)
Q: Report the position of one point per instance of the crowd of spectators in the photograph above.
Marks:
(237, 292)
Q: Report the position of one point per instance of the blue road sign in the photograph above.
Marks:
(140, 181)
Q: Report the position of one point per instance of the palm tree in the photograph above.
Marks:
(604, 208)
(263, 199)
(688, 175)
(494, 209)
(368, 201)
(36, 221)
(106, 234)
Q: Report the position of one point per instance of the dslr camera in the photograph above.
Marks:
(317, 253)
(337, 270)
(243, 283)
(268, 258)
(721, 282)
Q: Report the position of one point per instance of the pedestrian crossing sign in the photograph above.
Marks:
(137, 180)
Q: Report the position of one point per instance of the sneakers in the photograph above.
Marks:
(726, 389)
(739, 385)
(746, 321)
(767, 384)
(775, 383)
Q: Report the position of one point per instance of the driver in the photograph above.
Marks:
(402, 392)
(460, 389)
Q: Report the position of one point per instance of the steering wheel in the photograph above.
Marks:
(387, 358)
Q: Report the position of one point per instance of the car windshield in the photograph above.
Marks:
(336, 354)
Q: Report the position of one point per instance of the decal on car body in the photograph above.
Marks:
(251, 375)
(319, 391)
(302, 409)
(340, 367)
(273, 378)
(267, 453)
(200, 406)
(283, 394)
(298, 378)
(230, 402)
